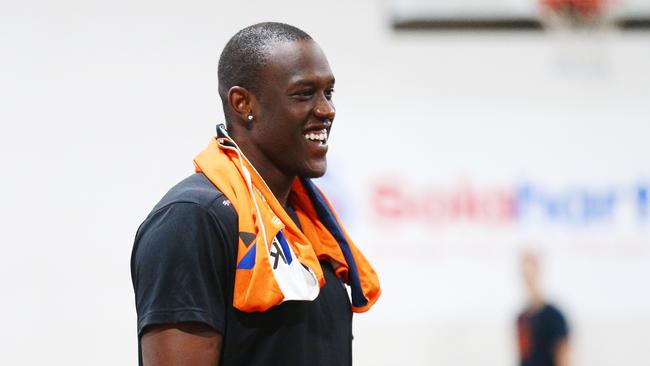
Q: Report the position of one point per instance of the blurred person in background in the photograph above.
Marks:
(542, 331)
(244, 262)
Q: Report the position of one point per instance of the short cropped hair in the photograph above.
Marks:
(246, 53)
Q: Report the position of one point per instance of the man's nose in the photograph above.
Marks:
(325, 109)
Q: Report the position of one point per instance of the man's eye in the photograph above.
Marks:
(304, 93)
(328, 93)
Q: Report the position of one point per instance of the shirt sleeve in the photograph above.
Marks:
(178, 267)
(560, 326)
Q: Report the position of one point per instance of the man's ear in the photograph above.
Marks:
(242, 103)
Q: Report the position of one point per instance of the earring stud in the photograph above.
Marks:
(250, 117)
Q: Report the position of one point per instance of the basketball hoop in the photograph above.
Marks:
(575, 13)
(580, 31)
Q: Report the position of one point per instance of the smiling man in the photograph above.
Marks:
(245, 262)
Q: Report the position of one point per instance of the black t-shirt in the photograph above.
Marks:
(539, 333)
(183, 270)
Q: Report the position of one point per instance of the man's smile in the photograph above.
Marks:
(318, 136)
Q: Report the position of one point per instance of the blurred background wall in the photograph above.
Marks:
(451, 151)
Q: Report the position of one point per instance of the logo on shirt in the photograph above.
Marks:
(280, 250)
(276, 253)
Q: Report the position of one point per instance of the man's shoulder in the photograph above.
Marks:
(549, 308)
(198, 190)
(192, 208)
(552, 311)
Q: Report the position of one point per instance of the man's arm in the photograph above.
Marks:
(178, 269)
(562, 352)
(191, 344)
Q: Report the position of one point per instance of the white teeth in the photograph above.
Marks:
(321, 136)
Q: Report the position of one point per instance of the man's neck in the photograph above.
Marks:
(535, 300)
(278, 182)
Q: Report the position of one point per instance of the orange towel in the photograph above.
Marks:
(276, 260)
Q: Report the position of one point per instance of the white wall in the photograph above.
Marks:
(104, 104)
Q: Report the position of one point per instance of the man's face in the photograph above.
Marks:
(529, 271)
(295, 109)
